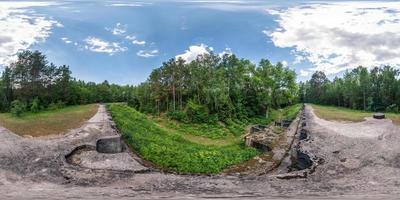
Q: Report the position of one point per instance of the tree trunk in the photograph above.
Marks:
(173, 97)
(365, 106)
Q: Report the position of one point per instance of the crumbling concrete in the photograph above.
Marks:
(110, 144)
(379, 116)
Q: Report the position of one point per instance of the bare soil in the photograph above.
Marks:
(361, 161)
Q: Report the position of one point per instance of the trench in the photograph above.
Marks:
(298, 163)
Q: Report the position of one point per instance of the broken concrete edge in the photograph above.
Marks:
(290, 134)
(110, 144)
(301, 173)
(67, 166)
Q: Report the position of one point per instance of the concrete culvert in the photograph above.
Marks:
(111, 144)
(379, 116)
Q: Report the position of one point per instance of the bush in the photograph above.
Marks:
(18, 108)
(55, 106)
(178, 115)
(196, 112)
(35, 105)
(134, 103)
(392, 108)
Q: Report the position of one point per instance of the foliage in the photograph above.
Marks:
(178, 115)
(170, 150)
(196, 112)
(215, 88)
(32, 79)
(18, 108)
(35, 105)
(374, 90)
(55, 106)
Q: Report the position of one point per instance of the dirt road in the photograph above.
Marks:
(361, 161)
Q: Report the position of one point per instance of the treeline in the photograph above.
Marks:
(374, 90)
(215, 88)
(32, 84)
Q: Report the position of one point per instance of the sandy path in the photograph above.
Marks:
(357, 166)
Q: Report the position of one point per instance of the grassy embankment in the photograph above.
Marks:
(345, 114)
(48, 122)
(187, 147)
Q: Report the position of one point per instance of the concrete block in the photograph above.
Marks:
(111, 144)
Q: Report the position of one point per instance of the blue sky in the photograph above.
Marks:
(122, 41)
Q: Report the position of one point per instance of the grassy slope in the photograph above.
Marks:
(196, 148)
(171, 150)
(48, 122)
(345, 114)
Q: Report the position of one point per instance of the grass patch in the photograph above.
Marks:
(187, 147)
(169, 149)
(345, 114)
(48, 122)
(212, 131)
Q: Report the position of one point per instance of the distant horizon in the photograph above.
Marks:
(123, 47)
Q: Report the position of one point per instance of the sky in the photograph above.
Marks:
(123, 41)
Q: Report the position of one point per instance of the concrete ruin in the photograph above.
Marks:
(260, 137)
(111, 144)
(379, 116)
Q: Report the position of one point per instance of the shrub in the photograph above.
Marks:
(18, 108)
(178, 115)
(392, 108)
(35, 105)
(196, 112)
(134, 103)
(55, 106)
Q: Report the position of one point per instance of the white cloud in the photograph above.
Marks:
(66, 40)
(21, 27)
(98, 45)
(193, 52)
(227, 51)
(129, 4)
(284, 63)
(134, 40)
(231, 6)
(139, 42)
(304, 73)
(119, 29)
(147, 53)
(340, 35)
(126, 4)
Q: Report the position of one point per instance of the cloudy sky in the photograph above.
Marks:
(122, 41)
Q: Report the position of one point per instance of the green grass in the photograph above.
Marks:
(172, 151)
(212, 131)
(48, 122)
(186, 147)
(205, 134)
(345, 114)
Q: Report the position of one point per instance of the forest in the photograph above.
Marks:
(33, 84)
(216, 88)
(377, 89)
(210, 88)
